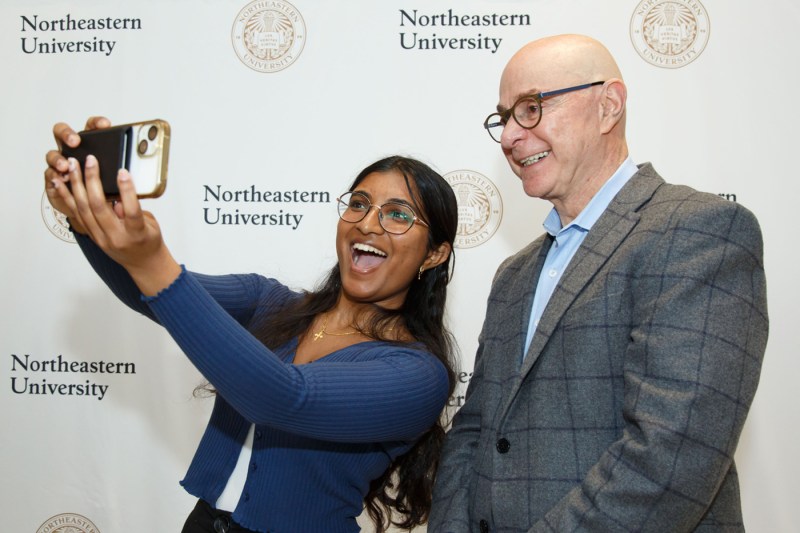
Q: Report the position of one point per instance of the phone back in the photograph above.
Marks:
(148, 157)
(140, 147)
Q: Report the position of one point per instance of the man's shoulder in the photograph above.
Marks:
(674, 207)
(676, 200)
(516, 261)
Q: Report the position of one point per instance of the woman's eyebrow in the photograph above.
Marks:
(403, 201)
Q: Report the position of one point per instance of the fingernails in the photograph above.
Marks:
(123, 175)
(91, 161)
(55, 183)
(73, 164)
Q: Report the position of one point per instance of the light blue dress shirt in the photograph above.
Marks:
(569, 239)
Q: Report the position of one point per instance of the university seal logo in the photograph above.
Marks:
(56, 221)
(68, 523)
(670, 33)
(268, 36)
(480, 207)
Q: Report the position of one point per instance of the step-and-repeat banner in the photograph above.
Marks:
(274, 107)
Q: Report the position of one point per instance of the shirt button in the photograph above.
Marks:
(246, 496)
(258, 435)
(553, 272)
(503, 446)
(253, 467)
(484, 526)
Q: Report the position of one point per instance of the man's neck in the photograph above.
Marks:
(570, 207)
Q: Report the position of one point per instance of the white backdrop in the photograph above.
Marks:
(360, 87)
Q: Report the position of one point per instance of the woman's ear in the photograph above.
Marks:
(437, 256)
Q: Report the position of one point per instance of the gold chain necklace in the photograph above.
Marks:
(322, 332)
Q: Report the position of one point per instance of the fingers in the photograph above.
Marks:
(60, 171)
(131, 208)
(97, 123)
(111, 224)
(89, 199)
(57, 162)
(65, 135)
(61, 197)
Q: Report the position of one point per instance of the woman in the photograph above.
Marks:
(326, 401)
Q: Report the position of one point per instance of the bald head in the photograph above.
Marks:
(564, 59)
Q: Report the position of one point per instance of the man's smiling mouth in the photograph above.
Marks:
(534, 159)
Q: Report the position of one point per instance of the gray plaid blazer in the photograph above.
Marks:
(626, 412)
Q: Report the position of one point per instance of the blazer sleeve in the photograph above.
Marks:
(455, 475)
(691, 370)
(451, 494)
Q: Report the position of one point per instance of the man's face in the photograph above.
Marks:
(552, 159)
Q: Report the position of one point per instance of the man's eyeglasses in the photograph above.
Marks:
(527, 111)
(393, 217)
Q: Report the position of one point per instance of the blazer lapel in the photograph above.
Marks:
(603, 239)
(526, 284)
(508, 322)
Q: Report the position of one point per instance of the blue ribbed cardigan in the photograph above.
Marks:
(323, 430)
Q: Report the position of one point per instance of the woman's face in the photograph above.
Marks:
(376, 266)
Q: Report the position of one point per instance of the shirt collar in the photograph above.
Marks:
(598, 204)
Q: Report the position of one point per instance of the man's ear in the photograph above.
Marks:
(437, 256)
(612, 104)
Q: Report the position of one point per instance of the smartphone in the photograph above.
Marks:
(142, 148)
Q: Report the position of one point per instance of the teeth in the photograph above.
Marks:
(369, 249)
(534, 158)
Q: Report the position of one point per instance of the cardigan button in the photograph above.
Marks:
(503, 446)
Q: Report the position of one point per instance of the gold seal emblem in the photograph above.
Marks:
(480, 207)
(68, 523)
(268, 36)
(56, 221)
(670, 33)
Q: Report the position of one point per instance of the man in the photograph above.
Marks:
(622, 349)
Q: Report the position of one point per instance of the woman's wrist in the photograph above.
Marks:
(156, 274)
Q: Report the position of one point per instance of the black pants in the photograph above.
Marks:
(206, 519)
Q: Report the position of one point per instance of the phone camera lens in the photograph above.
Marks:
(142, 147)
(152, 133)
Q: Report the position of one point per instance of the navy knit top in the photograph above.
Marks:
(323, 431)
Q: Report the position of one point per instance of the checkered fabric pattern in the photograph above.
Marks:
(628, 406)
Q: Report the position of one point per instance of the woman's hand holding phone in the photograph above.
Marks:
(130, 236)
(58, 166)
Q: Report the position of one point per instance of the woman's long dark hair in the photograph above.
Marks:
(402, 495)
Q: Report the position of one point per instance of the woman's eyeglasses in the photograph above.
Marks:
(393, 217)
